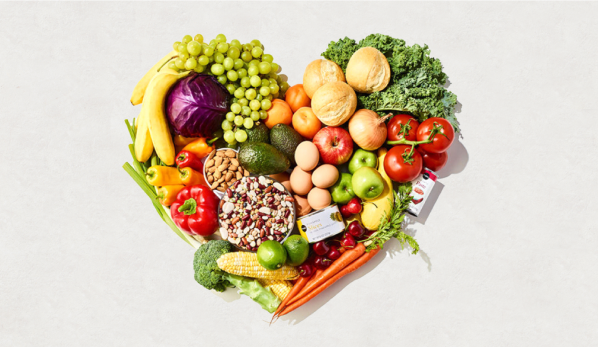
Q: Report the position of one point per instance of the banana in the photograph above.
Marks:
(140, 88)
(374, 210)
(153, 107)
(143, 141)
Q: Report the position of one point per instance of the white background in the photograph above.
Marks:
(508, 251)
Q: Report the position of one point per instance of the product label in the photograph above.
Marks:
(321, 224)
(420, 191)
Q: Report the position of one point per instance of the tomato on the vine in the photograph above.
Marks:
(402, 126)
(399, 166)
(443, 138)
(434, 161)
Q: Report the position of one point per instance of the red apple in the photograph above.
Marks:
(334, 144)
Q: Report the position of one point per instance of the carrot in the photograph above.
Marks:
(339, 264)
(352, 267)
(299, 284)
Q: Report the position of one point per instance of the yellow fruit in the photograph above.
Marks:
(141, 87)
(153, 107)
(374, 210)
(143, 141)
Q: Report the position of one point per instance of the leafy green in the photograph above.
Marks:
(209, 275)
(416, 84)
(392, 227)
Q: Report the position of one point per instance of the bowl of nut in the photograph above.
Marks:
(221, 170)
(255, 209)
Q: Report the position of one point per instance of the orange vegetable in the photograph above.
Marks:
(183, 141)
(297, 98)
(306, 123)
(345, 259)
(190, 177)
(280, 112)
(299, 284)
(364, 258)
(200, 147)
(167, 194)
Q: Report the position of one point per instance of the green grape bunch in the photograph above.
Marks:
(249, 75)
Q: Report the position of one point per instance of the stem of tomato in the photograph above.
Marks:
(435, 130)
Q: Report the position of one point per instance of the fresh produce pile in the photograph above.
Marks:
(284, 190)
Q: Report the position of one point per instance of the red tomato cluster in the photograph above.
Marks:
(404, 162)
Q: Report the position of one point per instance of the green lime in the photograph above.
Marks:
(271, 255)
(297, 249)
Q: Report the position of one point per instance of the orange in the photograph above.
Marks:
(306, 123)
(280, 112)
(297, 98)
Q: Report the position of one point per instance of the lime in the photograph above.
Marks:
(297, 249)
(271, 255)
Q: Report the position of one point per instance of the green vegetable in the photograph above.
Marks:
(392, 227)
(262, 159)
(416, 84)
(209, 275)
(285, 139)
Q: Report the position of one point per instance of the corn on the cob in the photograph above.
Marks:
(280, 288)
(246, 264)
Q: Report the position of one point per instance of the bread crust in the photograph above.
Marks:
(334, 103)
(320, 72)
(368, 70)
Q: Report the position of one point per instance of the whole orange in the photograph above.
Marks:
(280, 112)
(306, 123)
(297, 98)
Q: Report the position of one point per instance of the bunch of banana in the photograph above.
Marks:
(152, 125)
(374, 210)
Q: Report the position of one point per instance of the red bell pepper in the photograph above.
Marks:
(188, 159)
(195, 210)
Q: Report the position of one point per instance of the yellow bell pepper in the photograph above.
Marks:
(158, 175)
(167, 194)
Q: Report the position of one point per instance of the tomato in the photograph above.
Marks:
(434, 161)
(400, 124)
(442, 140)
(397, 169)
(297, 98)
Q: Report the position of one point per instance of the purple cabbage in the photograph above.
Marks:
(196, 106)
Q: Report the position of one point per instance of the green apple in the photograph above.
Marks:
(361, 158)
(342, 190)
(367, 183)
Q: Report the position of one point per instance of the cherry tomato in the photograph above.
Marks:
(434, 161)
(401, 124)
(397, 169)
(442, 140)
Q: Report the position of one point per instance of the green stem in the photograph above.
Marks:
(209, 142)
(407, 142)
(131, 129)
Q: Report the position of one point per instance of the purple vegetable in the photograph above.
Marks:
(196, 105)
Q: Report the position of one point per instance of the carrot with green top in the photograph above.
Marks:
(338, 265)
(364, 258)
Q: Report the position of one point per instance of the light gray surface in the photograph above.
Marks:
(508, 252)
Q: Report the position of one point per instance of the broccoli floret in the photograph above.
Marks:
(207, 272)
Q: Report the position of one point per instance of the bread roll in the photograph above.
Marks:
(320, 72)
(368, 70)
(334, 103)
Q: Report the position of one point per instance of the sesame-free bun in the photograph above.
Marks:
(320, 72)
(368, 70)
(334, 103)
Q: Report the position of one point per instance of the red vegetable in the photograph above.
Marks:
(195, 210)
(443, 138)
(434, 161)
(399, 166)
(188, 159)
(402, 126)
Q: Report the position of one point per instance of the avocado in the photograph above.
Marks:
(262, 159)
(286, 140)
(259, 133)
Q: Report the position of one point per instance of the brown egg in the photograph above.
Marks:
(318, 198)
(283, 178)
(307, 156)
(324, 176)
(301, 181)
(302, 205)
